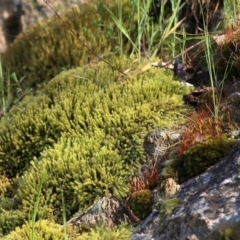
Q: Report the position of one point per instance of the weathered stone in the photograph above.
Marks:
(206, 203)
(157, 143)
(108, 210)
(10, 21)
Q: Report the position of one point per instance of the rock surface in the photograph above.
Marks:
(206, 204)
(157, 143)
(108, 210)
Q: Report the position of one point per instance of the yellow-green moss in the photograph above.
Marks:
(5, 183)
(43, 230)
(86, 131)
(166, 209)
(46, 48)
(9, 218)
(197, 158)
(83, 167)
(122, 232)
(231, 231)
(88, 99)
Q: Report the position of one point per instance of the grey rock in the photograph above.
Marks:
(206, 203)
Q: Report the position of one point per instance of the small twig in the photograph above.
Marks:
(80, 40)
(131, 215)
(186, 50)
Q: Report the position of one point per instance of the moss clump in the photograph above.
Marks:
(5, 183)
(50, 50)
(84, 101)
(43, 230)
(9, 218)
(120, 233)
(86, 131)
(82, 167)
(141, 203)
(200, 156)
(168, 207)
(165, 210)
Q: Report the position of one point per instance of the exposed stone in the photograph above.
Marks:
(108, 210)
(157, 143)
(206, 203)
(10, 21)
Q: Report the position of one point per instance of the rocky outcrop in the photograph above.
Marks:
(108, 210)
(207, 204)
(158, 142)
(17, 15)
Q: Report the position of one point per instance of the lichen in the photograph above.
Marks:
(122, 232)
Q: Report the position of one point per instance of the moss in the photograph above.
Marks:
(229, 231)
(170, 168)
(125, 113)
(196, 159)
(9, 218)
(200, 156)
(122, 232)
(86, 131)
(43, 230)
(51, 50)
(168, 207)
(85, 170)
(5, 183)
(141, 203)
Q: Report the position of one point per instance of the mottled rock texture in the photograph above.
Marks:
(108, 210)
(207, 203)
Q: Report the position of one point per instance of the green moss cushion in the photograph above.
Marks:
(83, 135)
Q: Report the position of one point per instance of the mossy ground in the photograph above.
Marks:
(83, 134)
